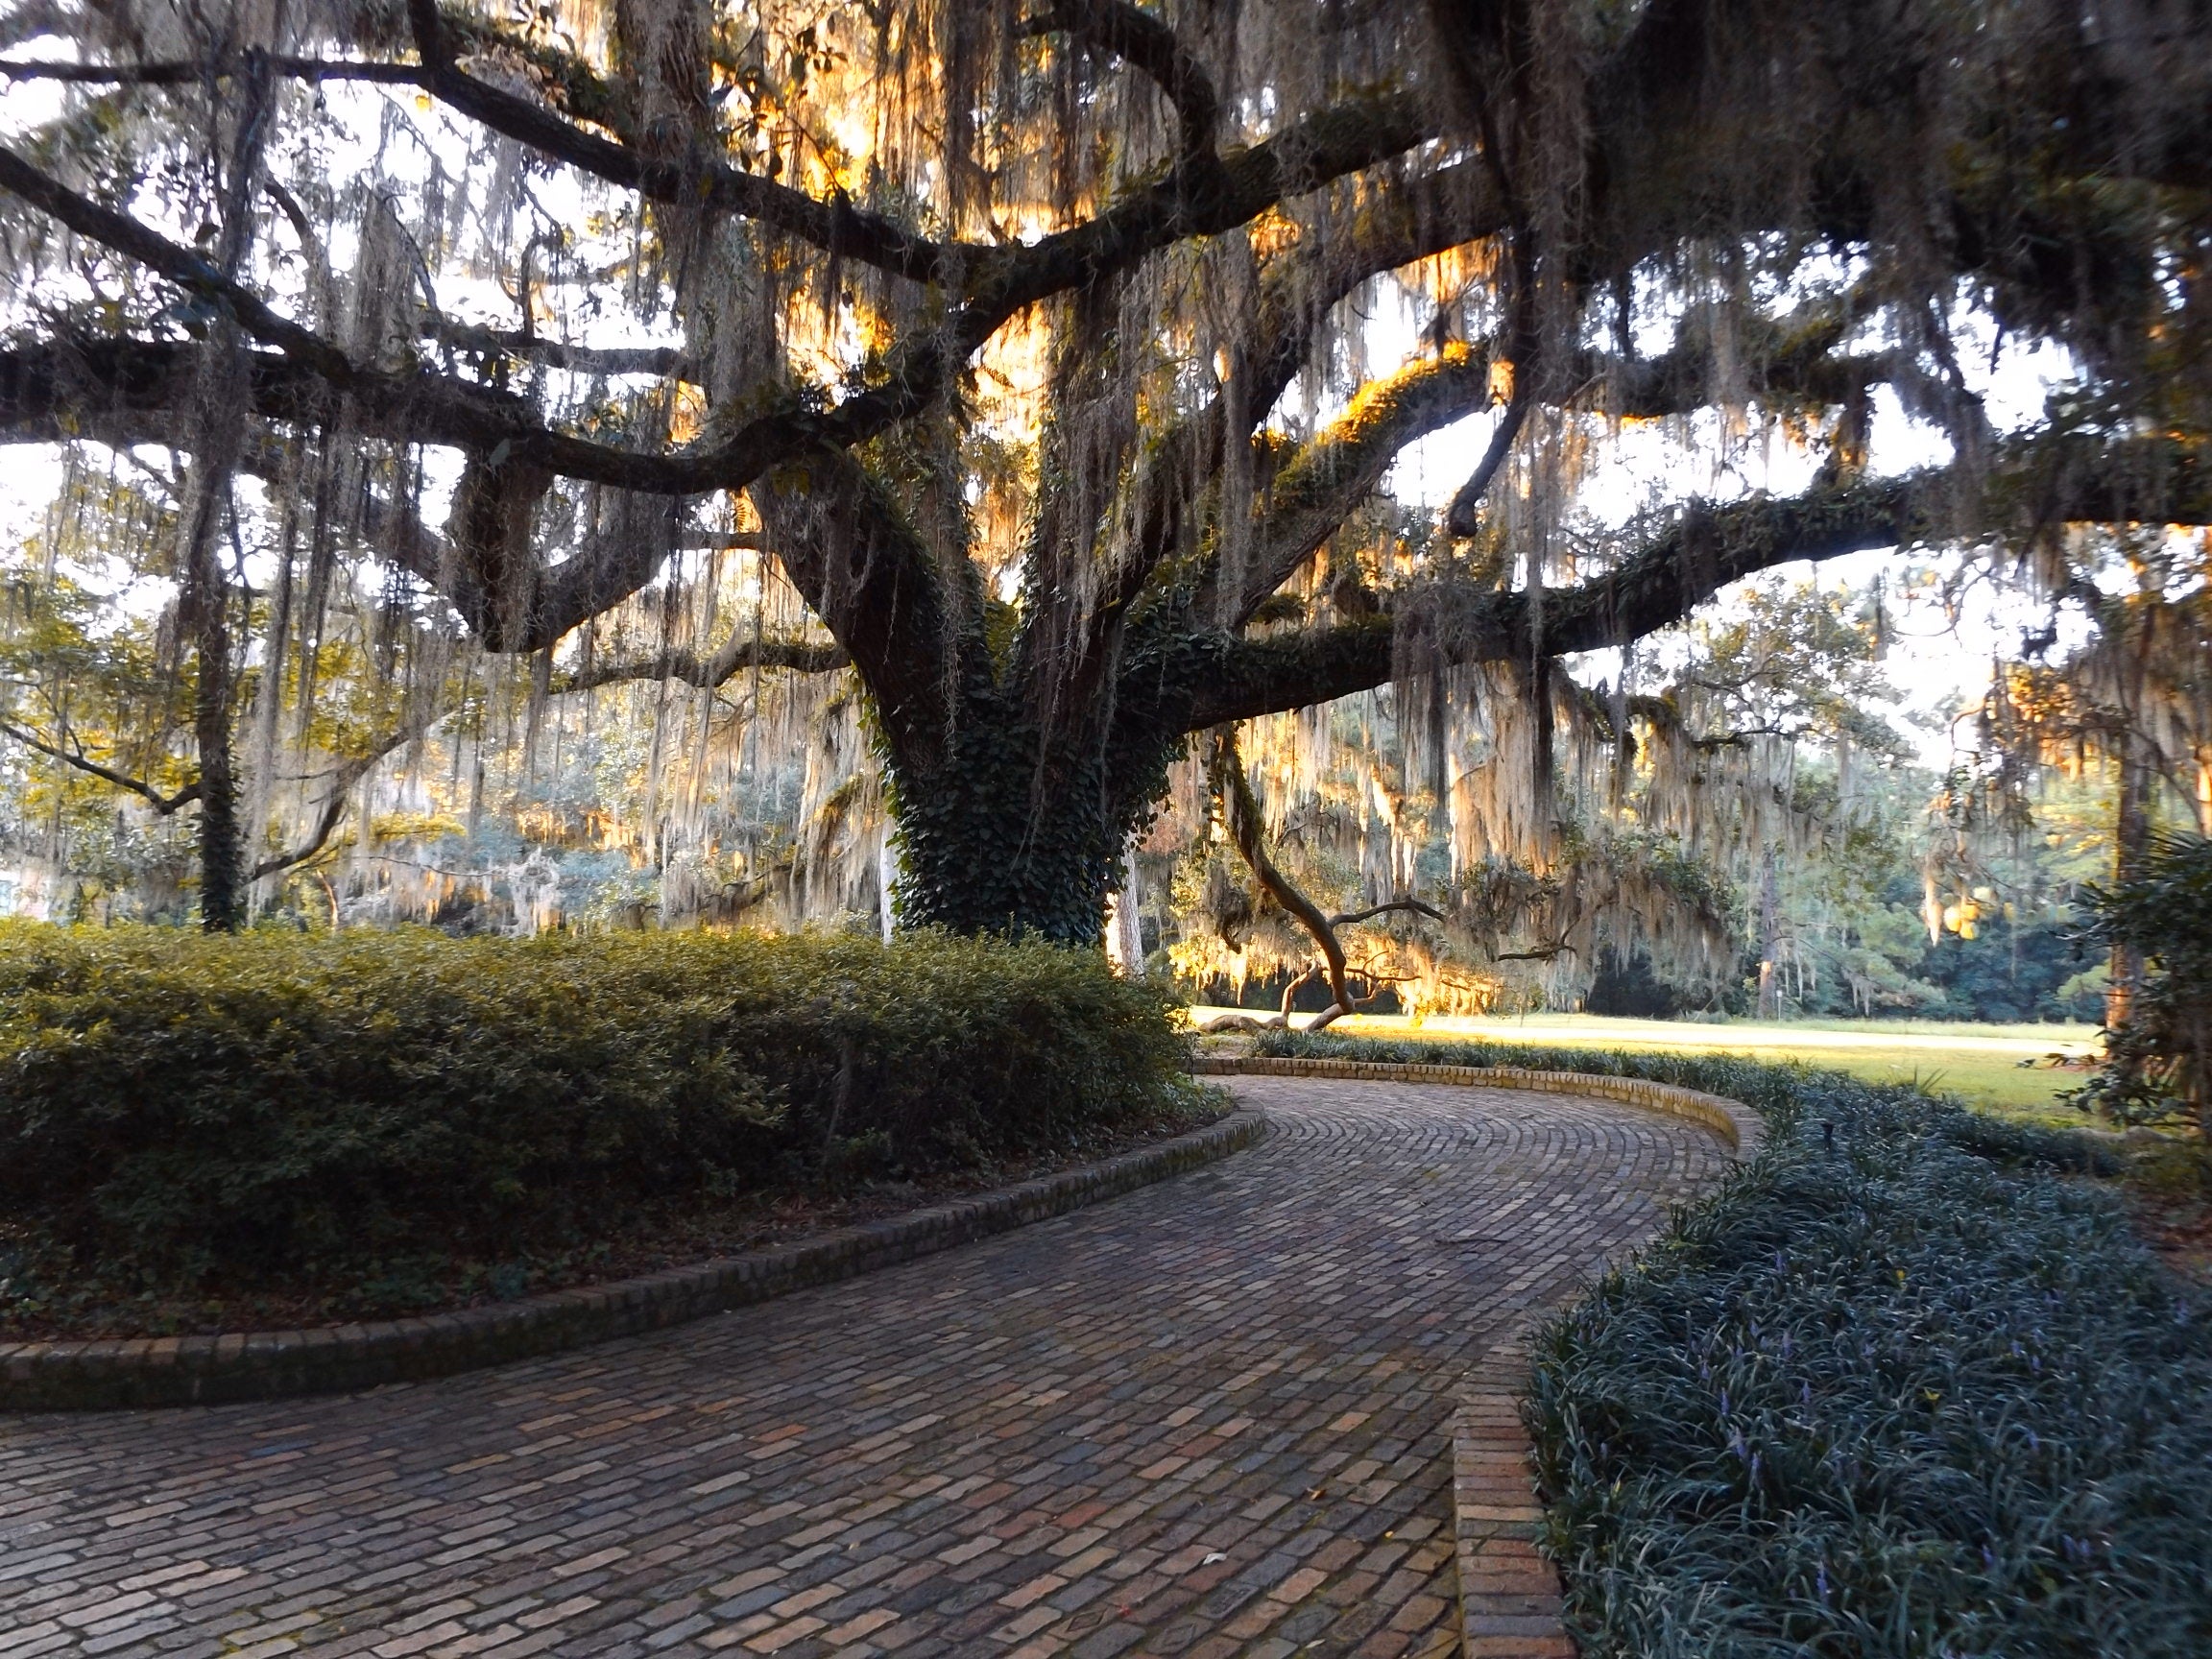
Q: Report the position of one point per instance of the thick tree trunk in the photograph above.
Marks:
(1125, 929)
(1770, 934)
(2131, 842)
(995, 840)
(222, 860)
(204, 613)
(220, 393)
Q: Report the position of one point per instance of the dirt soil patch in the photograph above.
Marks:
(2169, 1192)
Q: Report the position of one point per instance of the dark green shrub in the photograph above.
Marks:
(270, 1107)
(1899, 1388)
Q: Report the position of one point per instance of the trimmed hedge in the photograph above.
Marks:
(1901, 1387)
(278, 1108)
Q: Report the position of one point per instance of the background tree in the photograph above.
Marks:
(1033, 345)
(2159, 1065)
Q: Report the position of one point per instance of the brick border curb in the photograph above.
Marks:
(1740, 1128)
(126, 1372)
(1509, 1592)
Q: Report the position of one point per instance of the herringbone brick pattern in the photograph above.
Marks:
(1209, 1419)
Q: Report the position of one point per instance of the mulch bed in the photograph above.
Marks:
(35, 1306)
(2168, 1190)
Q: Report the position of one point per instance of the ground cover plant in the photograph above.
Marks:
(376, 1120)
(1908, 1384)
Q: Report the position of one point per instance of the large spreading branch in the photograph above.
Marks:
(425, 407)
(576, 87)
(1684, 561)
(996, 280)
(1150, 47)
(1328, 477)
(196, 72)
(1681, 565)
(865, 572)
(661, 362)
(736, 656)
(1384, 230)
(1381, 231)
(695, 181)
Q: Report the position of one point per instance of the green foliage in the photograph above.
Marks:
(1900, 1389)
(249, 1111)
(1797, 659)
(1854, 933)
(984, 853)
(1900, 1394)
(2158, 1063)
(2015, 973)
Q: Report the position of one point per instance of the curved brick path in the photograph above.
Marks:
(1211, 1418)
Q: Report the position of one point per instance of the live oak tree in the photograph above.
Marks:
(1032, 341)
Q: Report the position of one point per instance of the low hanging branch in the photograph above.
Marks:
(1240, 816)
(333, 810)
(340, 790)
(163, 804)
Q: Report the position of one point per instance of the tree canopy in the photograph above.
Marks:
(1039, 370)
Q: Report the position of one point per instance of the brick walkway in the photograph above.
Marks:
(1212, 1418)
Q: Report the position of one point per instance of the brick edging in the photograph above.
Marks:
(1509, 1592)
(1509, 1597)
(128, 1372)
(1741, 1129)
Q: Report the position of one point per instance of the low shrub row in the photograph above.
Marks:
(279, 1108)
(1908, 1386)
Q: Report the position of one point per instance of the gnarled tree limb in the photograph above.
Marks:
(697, 181)
(1150, 47)
(1330, 476)
(735, 656)
(162, 804)
(1240, 817)
(862, 570)
(1682, 566)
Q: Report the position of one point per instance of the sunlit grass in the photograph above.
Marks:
(1980, 1064)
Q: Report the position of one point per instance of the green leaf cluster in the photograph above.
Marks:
(2158, 1063)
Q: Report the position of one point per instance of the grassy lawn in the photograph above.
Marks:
(1980, 1064)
